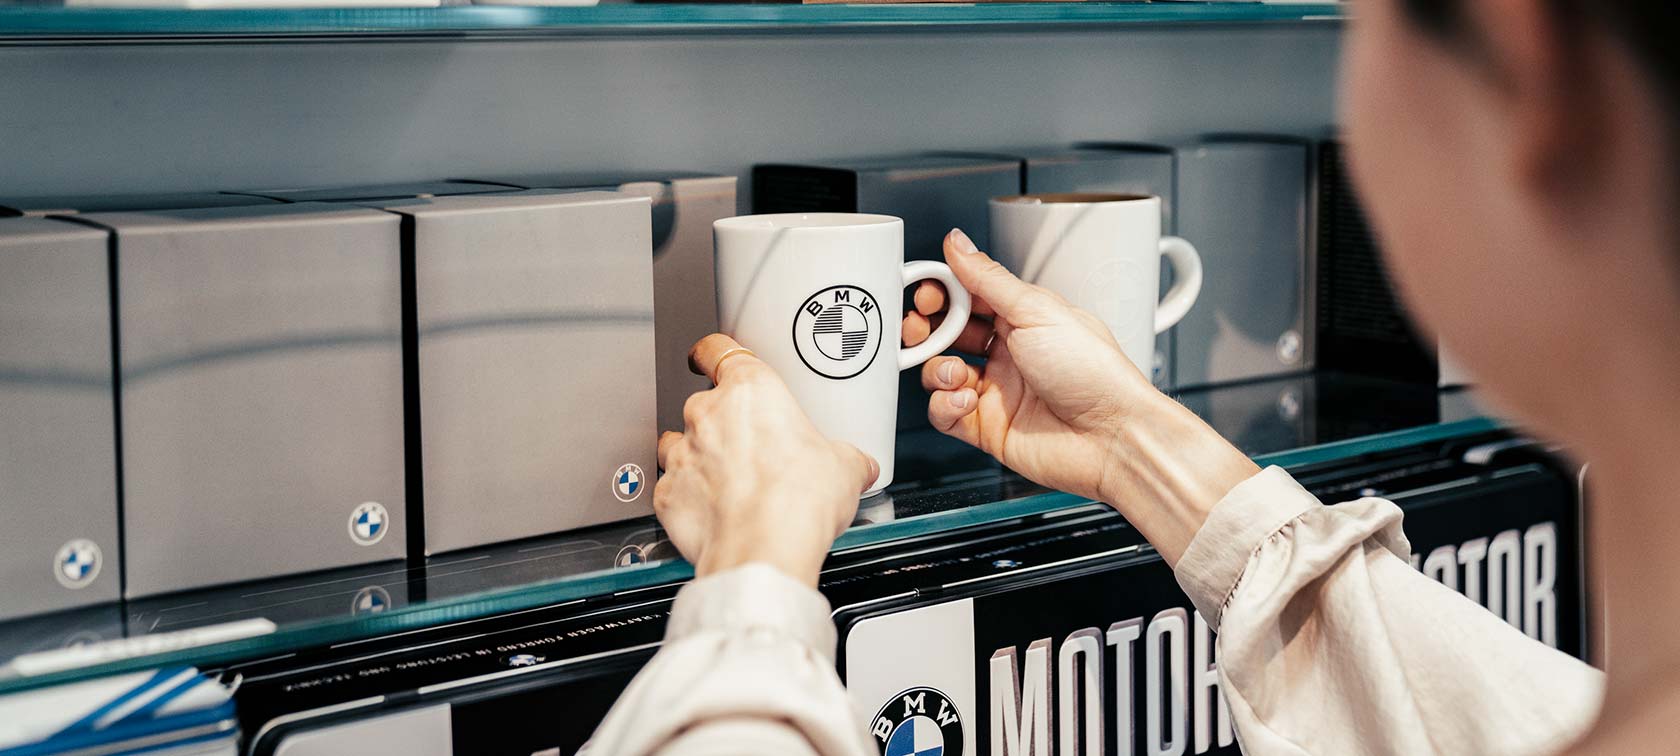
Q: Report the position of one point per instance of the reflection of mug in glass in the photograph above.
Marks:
(875, 509)
(820, 298)
(1102, 252)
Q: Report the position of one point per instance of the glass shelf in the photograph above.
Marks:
(1295, 422)
(22, 21)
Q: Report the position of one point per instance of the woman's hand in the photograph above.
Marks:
(751, 479)
(1059, 402)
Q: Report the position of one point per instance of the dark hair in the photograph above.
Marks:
(1649, 29)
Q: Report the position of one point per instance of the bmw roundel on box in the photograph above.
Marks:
(368, 523)
(628, 482)
(77, 563)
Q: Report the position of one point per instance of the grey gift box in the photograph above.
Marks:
(1245, 203)
(932, 192)
(534, 362)
(58, 461)
(684, 205)
(261, 391)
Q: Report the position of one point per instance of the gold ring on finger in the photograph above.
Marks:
(717, 370)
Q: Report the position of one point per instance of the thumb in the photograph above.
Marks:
(1013, 299)
(868, 470)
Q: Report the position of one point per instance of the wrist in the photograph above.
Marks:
(794, 549)
(1165, 471)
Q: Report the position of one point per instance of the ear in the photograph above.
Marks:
(1547, 72)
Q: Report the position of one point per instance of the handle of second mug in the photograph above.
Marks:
(956, 314)
(1187, 282)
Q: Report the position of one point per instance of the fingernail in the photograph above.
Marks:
(960, 400)
(948, 372)
(964, 244)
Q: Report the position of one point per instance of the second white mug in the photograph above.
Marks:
(1102, 252)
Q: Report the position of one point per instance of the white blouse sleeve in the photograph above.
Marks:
(1330, 643)
(747, 668)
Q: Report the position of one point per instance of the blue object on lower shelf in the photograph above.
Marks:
(161, 711)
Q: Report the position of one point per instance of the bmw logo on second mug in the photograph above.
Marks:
(819, 297)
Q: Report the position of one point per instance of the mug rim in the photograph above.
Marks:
(1074, 198)
(794, 221)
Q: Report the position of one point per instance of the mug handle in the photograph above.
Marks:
(956, 316)
(1187, 282)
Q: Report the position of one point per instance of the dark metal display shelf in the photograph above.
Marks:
(1296, 422)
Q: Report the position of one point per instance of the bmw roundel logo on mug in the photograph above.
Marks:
(838, 331)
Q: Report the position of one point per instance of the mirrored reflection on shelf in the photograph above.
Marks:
(944, 485)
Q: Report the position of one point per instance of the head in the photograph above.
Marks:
(1516, 157)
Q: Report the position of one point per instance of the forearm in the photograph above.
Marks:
(747, 668)
(1330, 642)
(1165, 471)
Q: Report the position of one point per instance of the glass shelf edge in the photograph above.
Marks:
(35, 23)
(870, 535)
(1354, 447)
(327, 632)
(614, 581)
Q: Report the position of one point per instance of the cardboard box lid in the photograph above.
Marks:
(376, 192)
(32, 229)
(66, 204)
(222, 218)
(592, 179)
(533, 256)
(931, 162)
(1084, 151)
(504, 201)
(55, 304)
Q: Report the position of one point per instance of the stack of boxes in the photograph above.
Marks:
(228, 387)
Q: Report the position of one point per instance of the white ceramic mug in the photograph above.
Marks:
(1102, 252)
(820, 298)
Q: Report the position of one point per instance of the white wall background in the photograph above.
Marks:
(218, 116)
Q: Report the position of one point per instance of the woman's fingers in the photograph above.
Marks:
(952, 413)
(972, 340)
(867, 469)
(916, 328)
(929, 298)
(986, 279)
(717, 354)
(974, 337)
(949, 374)
(667, 442)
